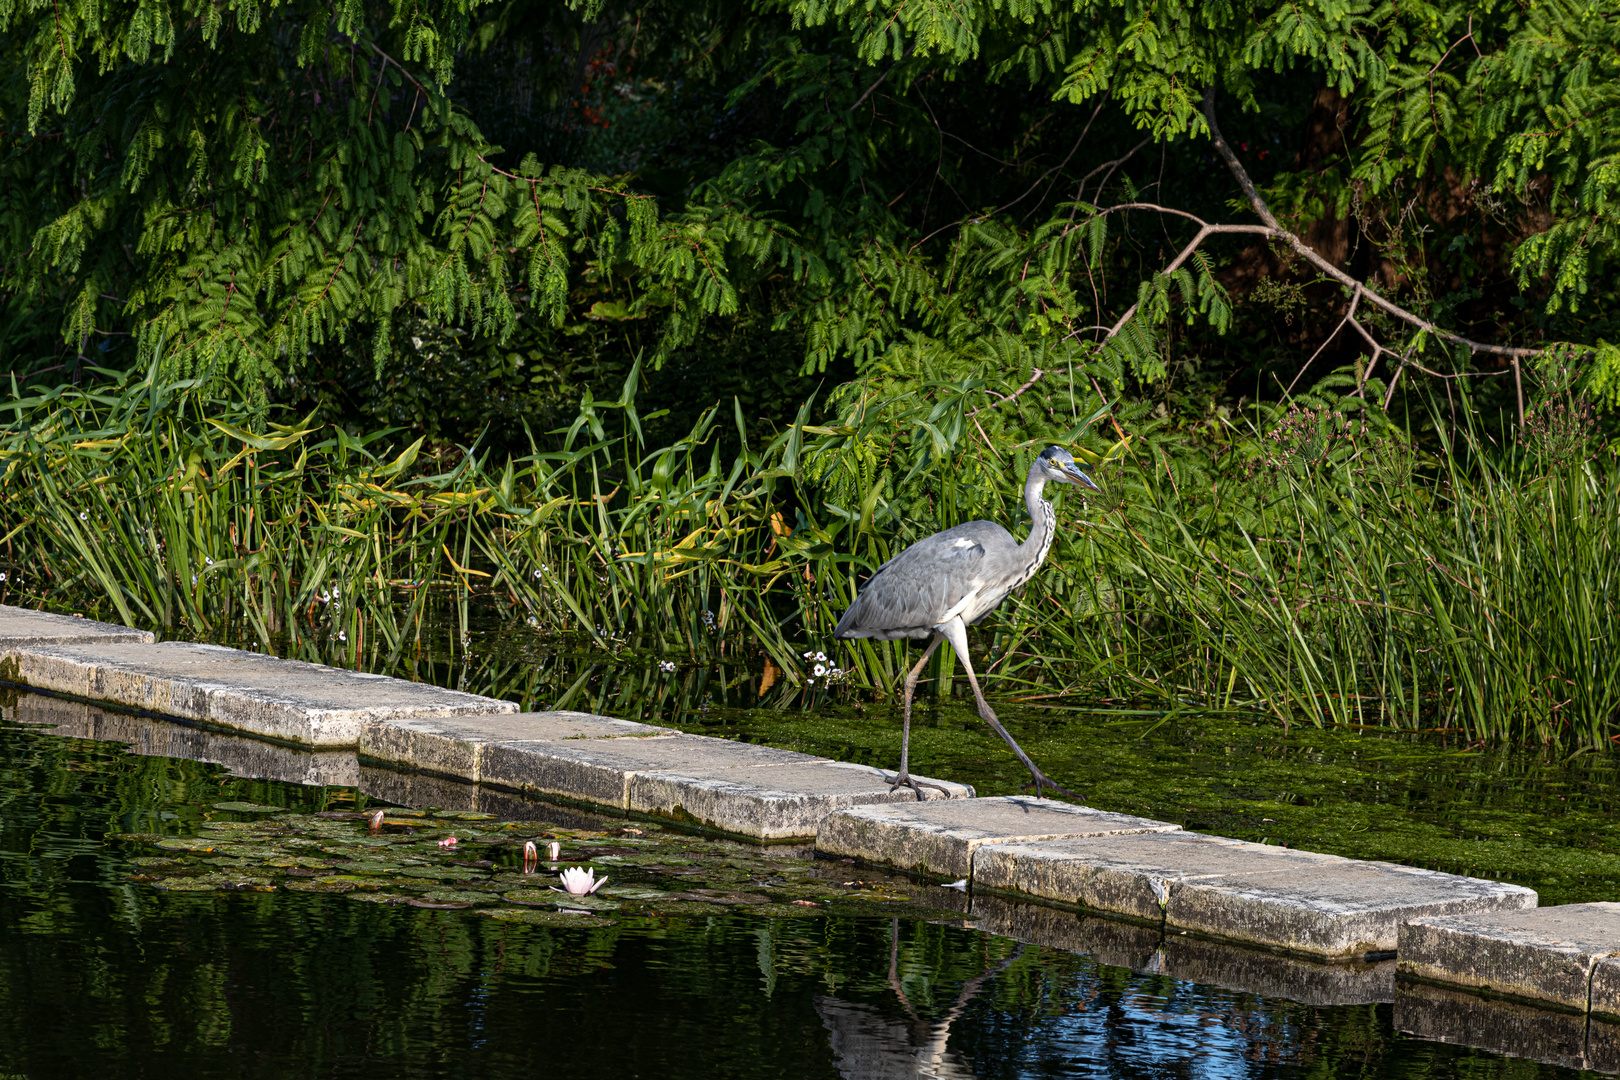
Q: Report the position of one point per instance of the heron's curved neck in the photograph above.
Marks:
(1042, 519)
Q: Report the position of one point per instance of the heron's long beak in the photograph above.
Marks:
(1077, 477)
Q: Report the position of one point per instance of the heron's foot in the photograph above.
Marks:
(904, 780)
(1043, 781)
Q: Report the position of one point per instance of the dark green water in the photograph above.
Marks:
(101, 976)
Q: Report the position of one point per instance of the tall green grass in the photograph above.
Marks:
(1322, 570)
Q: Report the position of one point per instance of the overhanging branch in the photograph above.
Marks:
(1358, 289)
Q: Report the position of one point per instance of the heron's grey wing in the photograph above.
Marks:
(923, 585)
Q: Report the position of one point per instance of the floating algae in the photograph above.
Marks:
(409, 861)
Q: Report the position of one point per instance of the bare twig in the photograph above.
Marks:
(881, 79)
(1033, 379)
(1349, 317)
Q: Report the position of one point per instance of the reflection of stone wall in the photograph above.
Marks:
(1143, 949)
(1502, 1027)
(166, 738)
(419, 789)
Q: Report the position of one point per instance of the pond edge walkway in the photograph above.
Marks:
(1148, 872)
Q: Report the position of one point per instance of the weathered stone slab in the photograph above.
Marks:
(1442, 1014)
(1128, 875)
(1543, 954)
(599, 770)
(289, 700)
(939, 836)
(754, 791)
(1304, 902)
(454, 745)
(21, 627)
(1340, 909)
(1605, 999)
(154, 737)
(778, 802)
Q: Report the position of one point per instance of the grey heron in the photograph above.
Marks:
(942, 584)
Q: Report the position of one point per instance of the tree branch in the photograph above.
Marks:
(1358, 288)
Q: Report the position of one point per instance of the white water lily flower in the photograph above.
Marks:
(579, 881)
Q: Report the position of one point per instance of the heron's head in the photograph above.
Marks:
(1058, 464)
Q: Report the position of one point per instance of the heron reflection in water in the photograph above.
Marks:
(944, 583)
(867, 1045)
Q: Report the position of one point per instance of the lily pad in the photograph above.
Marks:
(187, 843)
(321, 885)
(354, 879)
(545, 918)
(378, 897)
(248, 808)
(722, 896)
(437, 905)
(457, 896)
(630, 892)
(183, 884)
(464, 815)
(155, 862)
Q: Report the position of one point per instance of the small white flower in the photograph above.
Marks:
(666, 666)
(335, 592)
(2, 575)
(821, 658)
(326, 598)
(207, 561)
(84, 515)
(578, 881)
(807, 655)
(537, 574)
(533, 621)
(194, 579)
(819, 670)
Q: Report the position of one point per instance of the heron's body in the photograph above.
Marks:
(946, 582)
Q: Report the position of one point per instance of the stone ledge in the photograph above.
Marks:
(776, 802)
(20, 627)
(289, 700)
(1605, 1000)
(1545, 954)
(1302, 902)
(453, 746)
(939, 837)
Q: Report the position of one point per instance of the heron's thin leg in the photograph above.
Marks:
(903, 777)
(956, 633)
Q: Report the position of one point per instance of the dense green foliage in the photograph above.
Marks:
(271, 192)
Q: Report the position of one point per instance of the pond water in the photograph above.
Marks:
(112, 966)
